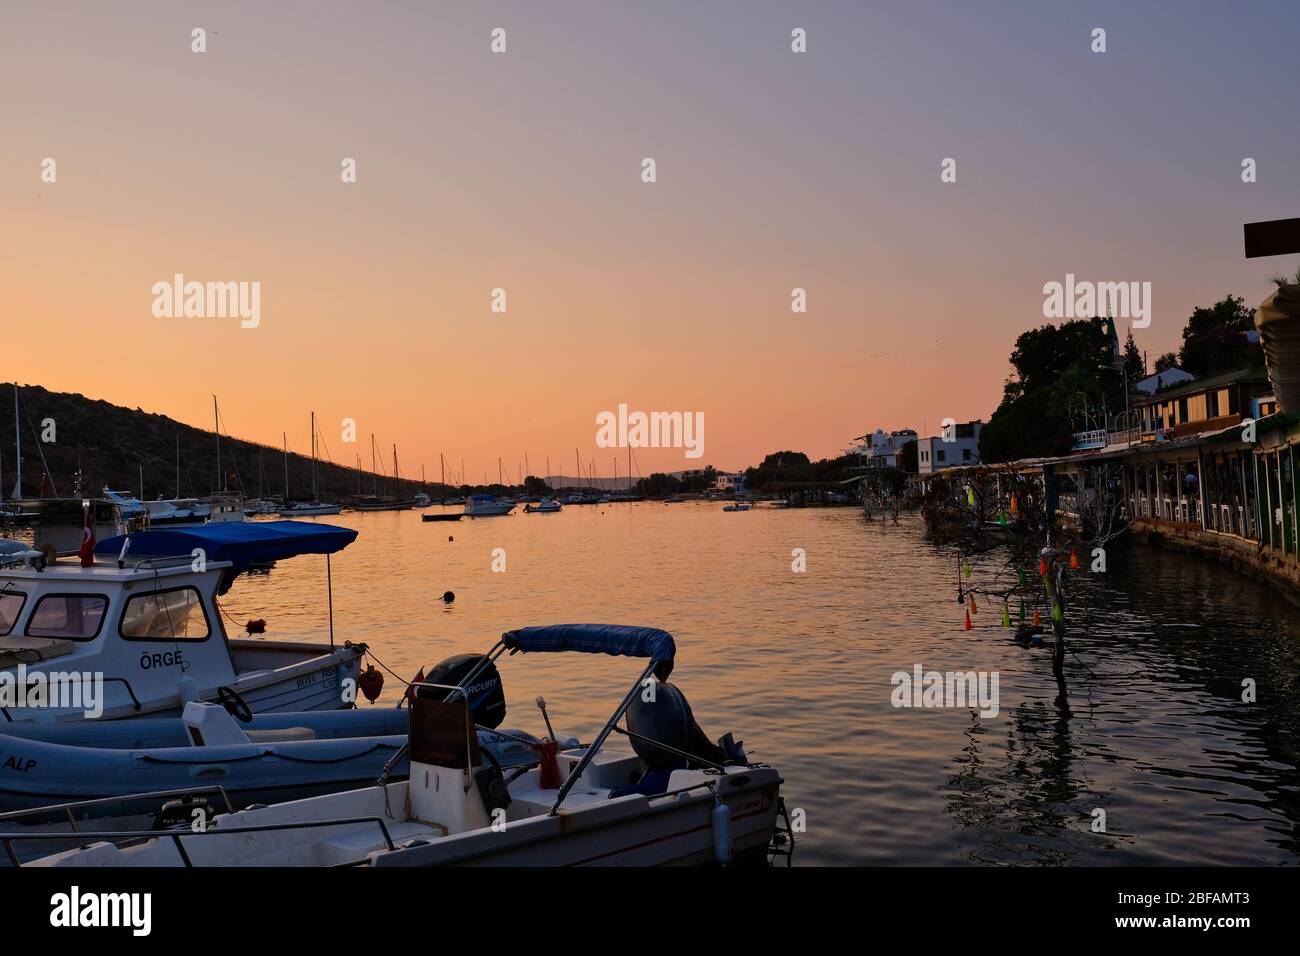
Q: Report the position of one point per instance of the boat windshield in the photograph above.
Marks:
(167, 615)
(11, 603)
(73, 616)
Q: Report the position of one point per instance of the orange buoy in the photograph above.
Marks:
(371, 683)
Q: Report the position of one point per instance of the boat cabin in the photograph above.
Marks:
(143, 634)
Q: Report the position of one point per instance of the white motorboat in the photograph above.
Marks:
(674, 799)
(549, 506)
(138, 627)
(257, 507)
(485, 506)
(302, 509)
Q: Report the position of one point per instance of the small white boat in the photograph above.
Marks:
(302, 509)
(549, 506)
(674, 799)
(141, 623)
(256, 507)
(485, 506)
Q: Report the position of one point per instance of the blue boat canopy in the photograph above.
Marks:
(618, 639)
(241, 543)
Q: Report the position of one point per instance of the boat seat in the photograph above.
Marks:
(280, 735)
(30, 650)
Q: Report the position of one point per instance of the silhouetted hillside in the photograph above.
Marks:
(112, 444)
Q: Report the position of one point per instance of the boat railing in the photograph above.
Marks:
(177, 835)
(135, 701)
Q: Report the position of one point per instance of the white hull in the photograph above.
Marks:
(670, 830)
(313, 509)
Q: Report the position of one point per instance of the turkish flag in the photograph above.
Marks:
(88, 541)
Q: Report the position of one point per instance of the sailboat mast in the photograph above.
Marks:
(315, 496)
(285, 436)
(374, 467)
(18, 451)
(178, 463)
(397, 475)
(216, 422)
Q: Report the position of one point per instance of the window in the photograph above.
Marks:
(965, 454)
(73, 616)
(11, 603)
(939, 455)
(175, 615)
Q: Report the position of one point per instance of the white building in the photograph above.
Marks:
(880, 449)
(1170, 376)
(731, 484)
(960, 445)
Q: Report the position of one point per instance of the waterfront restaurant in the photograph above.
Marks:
(1210, 466)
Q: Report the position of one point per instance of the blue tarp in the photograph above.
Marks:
(241, 543)
(618, 639)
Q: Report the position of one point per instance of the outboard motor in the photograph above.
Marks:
(668, 719)
(487, 698)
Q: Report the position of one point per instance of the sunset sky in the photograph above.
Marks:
(522, 170)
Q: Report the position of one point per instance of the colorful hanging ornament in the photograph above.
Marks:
(1015, 505)
(1037, 620)
(968, 623)
(965, 568)
(1056, 611)
(970, 496)
(974, 608)
(1006, 616)
(1042, 567)
(1074, 560)
(1023, 582)
(1002, 518)
(1022, 609)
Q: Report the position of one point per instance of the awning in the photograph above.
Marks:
(241, 543)
(618, 639)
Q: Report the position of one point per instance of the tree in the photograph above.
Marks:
(1054, 365)
(1165, 362)
(1214, 339)
(1135, 367)
(1281, 280)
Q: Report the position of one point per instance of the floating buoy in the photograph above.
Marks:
(450, 538)
(256, 627)
(1074, 560)
(968, 623)
(1037, 620)
(448, 597)
(371, 683)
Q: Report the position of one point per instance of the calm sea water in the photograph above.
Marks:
(798, 665)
